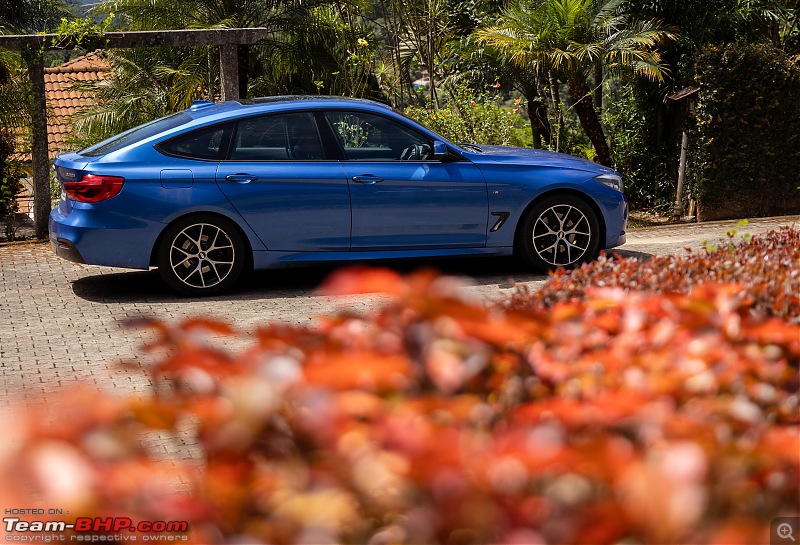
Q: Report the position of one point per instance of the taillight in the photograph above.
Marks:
(93, 188)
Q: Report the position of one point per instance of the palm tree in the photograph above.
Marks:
(143, 84)
(570, 38)
(427, 27)
(24, 16)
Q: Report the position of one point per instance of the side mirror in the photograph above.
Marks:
(440, 151)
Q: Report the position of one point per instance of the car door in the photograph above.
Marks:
(280, 181)
(402, 198)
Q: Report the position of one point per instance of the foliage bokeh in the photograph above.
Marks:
(616, 417)
(628, 117)
(472, 118)
(767, 267)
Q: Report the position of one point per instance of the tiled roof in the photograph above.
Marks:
(62, 102)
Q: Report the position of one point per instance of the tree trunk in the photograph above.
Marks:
(554, 91)
(580, 94)
(540, 126)
(598, 86)
(431, 69)
(556, 96)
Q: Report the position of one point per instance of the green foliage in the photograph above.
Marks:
(570, 39)
(467, 117)
(628, 119)
(28, 16)
(331, 51)
(10, 185)
(748, 127)
(568, 135)
(705, 22)
(351, 131)
(82, 33)
(765, 267)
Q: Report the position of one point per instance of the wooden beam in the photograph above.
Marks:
(148, 38)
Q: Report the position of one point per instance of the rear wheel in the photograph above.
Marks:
(559, 231)
(201, 255)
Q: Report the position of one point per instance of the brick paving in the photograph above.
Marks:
(60, 323)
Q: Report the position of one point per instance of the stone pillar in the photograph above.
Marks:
(39, 151)
(229, 71)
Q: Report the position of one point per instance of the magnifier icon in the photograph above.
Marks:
(785, 531)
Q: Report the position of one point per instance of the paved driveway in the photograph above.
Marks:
(60, 322)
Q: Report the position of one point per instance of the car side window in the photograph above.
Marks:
(205, 143)
(369, 137)
(277, 137)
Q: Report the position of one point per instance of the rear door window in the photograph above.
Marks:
(278, 137)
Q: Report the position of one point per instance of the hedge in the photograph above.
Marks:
(748, 132)
(765, 267)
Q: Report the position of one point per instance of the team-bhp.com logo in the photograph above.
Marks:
(94, 529)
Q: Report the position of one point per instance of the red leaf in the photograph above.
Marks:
(355, 280)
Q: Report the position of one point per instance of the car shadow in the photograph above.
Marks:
(147, 286)
(630, 254)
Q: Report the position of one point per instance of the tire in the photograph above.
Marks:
(559, 231)
(201, 255)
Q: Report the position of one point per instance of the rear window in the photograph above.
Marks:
(134, 135)
(208, 143)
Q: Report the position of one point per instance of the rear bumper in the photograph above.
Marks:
(96, 239)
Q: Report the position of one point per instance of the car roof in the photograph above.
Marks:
(204, 108)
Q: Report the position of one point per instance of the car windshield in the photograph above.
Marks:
(137, 133)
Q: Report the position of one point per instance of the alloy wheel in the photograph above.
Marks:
(202, 255)
(561, 235)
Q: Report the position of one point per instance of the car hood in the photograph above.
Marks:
(531, 156)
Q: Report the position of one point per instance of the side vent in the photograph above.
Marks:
(501, 219)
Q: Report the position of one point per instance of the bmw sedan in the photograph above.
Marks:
(205, 193)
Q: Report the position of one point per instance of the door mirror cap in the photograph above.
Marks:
(440, 152)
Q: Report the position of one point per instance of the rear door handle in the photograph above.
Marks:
(367, 179)
(241, 178)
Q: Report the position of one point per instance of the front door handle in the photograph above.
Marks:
(241, 178)
(367, 179)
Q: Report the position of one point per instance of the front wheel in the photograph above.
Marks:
(559, 231)
(201, 255)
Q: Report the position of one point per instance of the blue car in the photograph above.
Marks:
(208, 192)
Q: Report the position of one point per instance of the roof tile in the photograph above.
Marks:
(63, 102)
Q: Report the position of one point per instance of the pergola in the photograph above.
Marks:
(225, 39)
